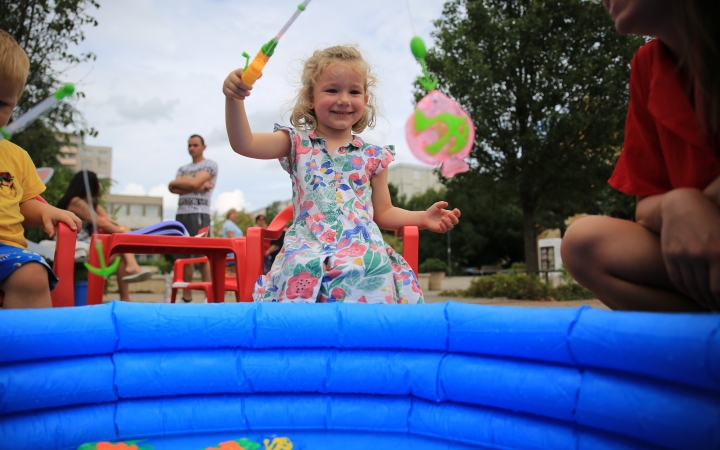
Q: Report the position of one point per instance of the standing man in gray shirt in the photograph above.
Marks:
(194, 183)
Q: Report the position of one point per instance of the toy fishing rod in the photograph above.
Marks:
(252, 72)
(36, 111)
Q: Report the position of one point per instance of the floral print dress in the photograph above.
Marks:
(334, 252)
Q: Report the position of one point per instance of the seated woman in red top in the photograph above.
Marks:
(669, 259)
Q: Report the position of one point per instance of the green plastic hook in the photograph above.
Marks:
(247, 60)
(103, 271)
(417, 46)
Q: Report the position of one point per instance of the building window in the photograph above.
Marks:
(119, 210)
(136, 210)
(547, 258)
(87, 152)
(102, 153)
(152, 210)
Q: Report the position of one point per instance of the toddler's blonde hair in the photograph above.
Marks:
(304, 117)
(14, 62)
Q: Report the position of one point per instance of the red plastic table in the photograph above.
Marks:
(216, 249)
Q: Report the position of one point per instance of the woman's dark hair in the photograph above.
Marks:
(701, 52)
(76, 188)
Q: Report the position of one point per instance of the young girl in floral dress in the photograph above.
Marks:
(334, 250)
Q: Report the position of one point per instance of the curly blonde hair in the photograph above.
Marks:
(302, 116)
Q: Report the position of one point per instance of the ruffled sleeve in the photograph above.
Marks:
(386, 156)
(287, 163)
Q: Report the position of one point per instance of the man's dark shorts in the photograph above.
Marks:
(193, 223)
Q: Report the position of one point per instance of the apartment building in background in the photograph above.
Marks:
(412, 179)
(134, 211)
(97, 158)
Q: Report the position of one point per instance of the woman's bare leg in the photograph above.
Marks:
(621, 263)
(123, 287)
(131, 264)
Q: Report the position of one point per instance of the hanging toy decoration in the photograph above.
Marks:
(439, 131)
(253, 70)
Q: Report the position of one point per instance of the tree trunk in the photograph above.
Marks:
(531, 259)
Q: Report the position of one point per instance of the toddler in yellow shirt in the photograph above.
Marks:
(25, 278)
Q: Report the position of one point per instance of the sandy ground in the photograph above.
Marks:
(450, 283)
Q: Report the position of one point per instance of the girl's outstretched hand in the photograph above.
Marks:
(439, 219)
(234, 88)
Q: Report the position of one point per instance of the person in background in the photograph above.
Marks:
(195, 183)
(273, 250)
(260, 222)
(230, 228)
(75, 200)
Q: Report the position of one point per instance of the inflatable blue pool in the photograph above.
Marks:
(343, 376)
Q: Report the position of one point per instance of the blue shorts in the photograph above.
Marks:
(12, 258)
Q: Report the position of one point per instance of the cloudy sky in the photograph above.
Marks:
(161, 64)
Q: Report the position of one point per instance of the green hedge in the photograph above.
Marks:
(521, 286)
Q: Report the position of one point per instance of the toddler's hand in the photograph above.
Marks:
(439, 219)
(51, 216)
(234, 88)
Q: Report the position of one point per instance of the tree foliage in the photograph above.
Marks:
(546, 84)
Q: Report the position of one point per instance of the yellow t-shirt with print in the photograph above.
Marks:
(19, 182)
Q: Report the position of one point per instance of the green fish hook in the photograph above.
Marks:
(103, 271)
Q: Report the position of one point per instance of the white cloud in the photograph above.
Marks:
(170, 200)
(233, 199)
(132, 189)
(151, 110)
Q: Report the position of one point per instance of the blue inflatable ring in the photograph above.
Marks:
(344, 376)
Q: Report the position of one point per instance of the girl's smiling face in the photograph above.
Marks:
(339, 99)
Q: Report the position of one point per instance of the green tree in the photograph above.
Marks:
(48, 30)
(546, 84)
(272, 211)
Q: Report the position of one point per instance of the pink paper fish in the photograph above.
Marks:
(441, 132)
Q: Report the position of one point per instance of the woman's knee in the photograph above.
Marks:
(583, 240)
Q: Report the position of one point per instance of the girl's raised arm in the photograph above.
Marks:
(242, 139)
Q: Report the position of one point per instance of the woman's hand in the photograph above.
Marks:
(439, 219)
(234, 88)
(690, 243)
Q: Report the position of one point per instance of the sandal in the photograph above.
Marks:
(143, 275)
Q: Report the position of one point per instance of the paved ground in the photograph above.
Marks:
(450, 283)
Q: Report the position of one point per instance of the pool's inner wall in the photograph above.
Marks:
(488, 376)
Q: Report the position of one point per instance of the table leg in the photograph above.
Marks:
(217, 268)
(96, 284)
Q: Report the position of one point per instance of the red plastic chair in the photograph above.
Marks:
(63, 266)
(231, 283)
(255, 255)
